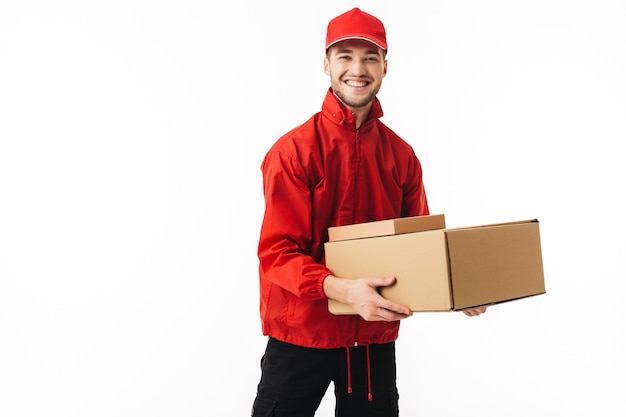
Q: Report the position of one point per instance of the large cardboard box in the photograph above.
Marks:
(438, 268)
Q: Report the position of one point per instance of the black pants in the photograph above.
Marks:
(294, 380)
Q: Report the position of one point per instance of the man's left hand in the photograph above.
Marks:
(476, 311)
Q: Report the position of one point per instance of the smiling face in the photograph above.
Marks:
(356, 69)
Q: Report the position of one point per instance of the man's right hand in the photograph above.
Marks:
(364, 297)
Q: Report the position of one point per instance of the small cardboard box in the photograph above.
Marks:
(440, 269)
(387, 227)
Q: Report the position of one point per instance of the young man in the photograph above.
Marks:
(342, 166)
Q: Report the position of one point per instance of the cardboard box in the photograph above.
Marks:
(440, 269)
(387, 227)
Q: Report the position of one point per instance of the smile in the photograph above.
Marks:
(352, 83)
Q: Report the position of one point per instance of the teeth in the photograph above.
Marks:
(356, 83)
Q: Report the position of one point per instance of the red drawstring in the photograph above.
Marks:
(369, 375)
(349, 376)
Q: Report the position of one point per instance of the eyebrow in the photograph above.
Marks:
(348, 50)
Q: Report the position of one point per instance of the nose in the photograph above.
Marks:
(357, 68)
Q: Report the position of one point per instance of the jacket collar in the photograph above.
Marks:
(334, 109)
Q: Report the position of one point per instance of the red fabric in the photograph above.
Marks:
(327, 173)
(355, 24)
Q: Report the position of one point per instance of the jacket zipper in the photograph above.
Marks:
(357, 150)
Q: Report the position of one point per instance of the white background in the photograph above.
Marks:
(131, 135)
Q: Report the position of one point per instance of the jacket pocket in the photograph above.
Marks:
(291, 307)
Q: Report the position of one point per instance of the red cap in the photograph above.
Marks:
(355, 24)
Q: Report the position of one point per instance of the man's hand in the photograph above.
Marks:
(476, 311)
(363, 296)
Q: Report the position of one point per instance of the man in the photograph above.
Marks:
(342, 166)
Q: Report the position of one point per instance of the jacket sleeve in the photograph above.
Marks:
(285, 243)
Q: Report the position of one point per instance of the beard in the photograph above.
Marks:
(350, 102)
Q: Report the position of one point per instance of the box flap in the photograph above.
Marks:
(387, 227)
(495, 224)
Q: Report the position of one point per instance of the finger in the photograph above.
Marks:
(382, 282)
(396, 309)
(394, 315)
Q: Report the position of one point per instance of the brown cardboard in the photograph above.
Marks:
(445, 269)
(387, 227)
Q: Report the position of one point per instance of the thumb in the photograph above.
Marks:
(387, 281)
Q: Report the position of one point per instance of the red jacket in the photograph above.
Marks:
(328, 173)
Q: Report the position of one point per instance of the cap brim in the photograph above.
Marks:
(364, 38)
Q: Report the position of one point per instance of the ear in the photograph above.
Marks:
(385, 68)
(326, 66)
